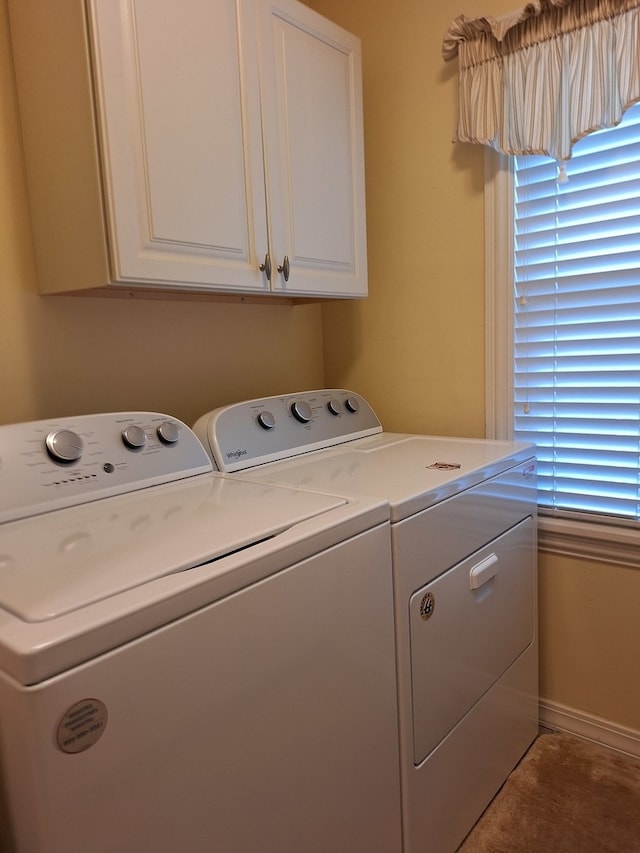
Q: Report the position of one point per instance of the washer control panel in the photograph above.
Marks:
(274, 428)
(46, 465)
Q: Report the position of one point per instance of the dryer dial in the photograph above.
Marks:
(302, 412)
(266, 420)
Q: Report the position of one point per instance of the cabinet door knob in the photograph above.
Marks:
(285, 269)
(266, 266)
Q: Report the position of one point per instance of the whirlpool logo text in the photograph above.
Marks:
(236, 454)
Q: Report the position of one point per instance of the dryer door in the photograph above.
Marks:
(467, 627)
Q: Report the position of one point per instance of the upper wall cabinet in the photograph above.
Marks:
(192, 146)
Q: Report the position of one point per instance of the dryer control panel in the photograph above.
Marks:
(251, 433)
(51, 464)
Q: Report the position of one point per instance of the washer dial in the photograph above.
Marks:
(134, 436)
(168, 432)
(64, 445)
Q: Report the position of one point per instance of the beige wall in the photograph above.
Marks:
(66, 355)
(590, 637)
(415, 348)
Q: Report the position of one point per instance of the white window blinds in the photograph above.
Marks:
(577, 321)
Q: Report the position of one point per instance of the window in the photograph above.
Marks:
(568, 252)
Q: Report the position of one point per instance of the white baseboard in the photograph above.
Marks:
(560, 718)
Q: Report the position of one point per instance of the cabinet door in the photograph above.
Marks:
(178, 96)
(312, 128)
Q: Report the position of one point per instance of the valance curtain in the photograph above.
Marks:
(536, 81)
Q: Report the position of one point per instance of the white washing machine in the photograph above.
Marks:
(188, 662)
(463, 527)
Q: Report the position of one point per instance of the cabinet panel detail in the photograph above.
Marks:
(180, 161)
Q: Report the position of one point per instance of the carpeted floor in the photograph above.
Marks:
(566, 795)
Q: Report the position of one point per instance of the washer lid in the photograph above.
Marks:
(412, 472)
(64, 560)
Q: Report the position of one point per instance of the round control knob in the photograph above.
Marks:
(134, 436)
(266, 420)
(168, 432)
(302, 412)
(64, 445)
(352, 404)
(334, 406)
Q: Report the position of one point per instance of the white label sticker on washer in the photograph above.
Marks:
(81, 725)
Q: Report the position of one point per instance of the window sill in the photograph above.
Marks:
(603, 543)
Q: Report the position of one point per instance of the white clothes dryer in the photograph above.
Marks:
(188, 661)
(463, 528)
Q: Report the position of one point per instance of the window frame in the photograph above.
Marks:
(602, 542)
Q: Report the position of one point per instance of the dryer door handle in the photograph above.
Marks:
(483, 571)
